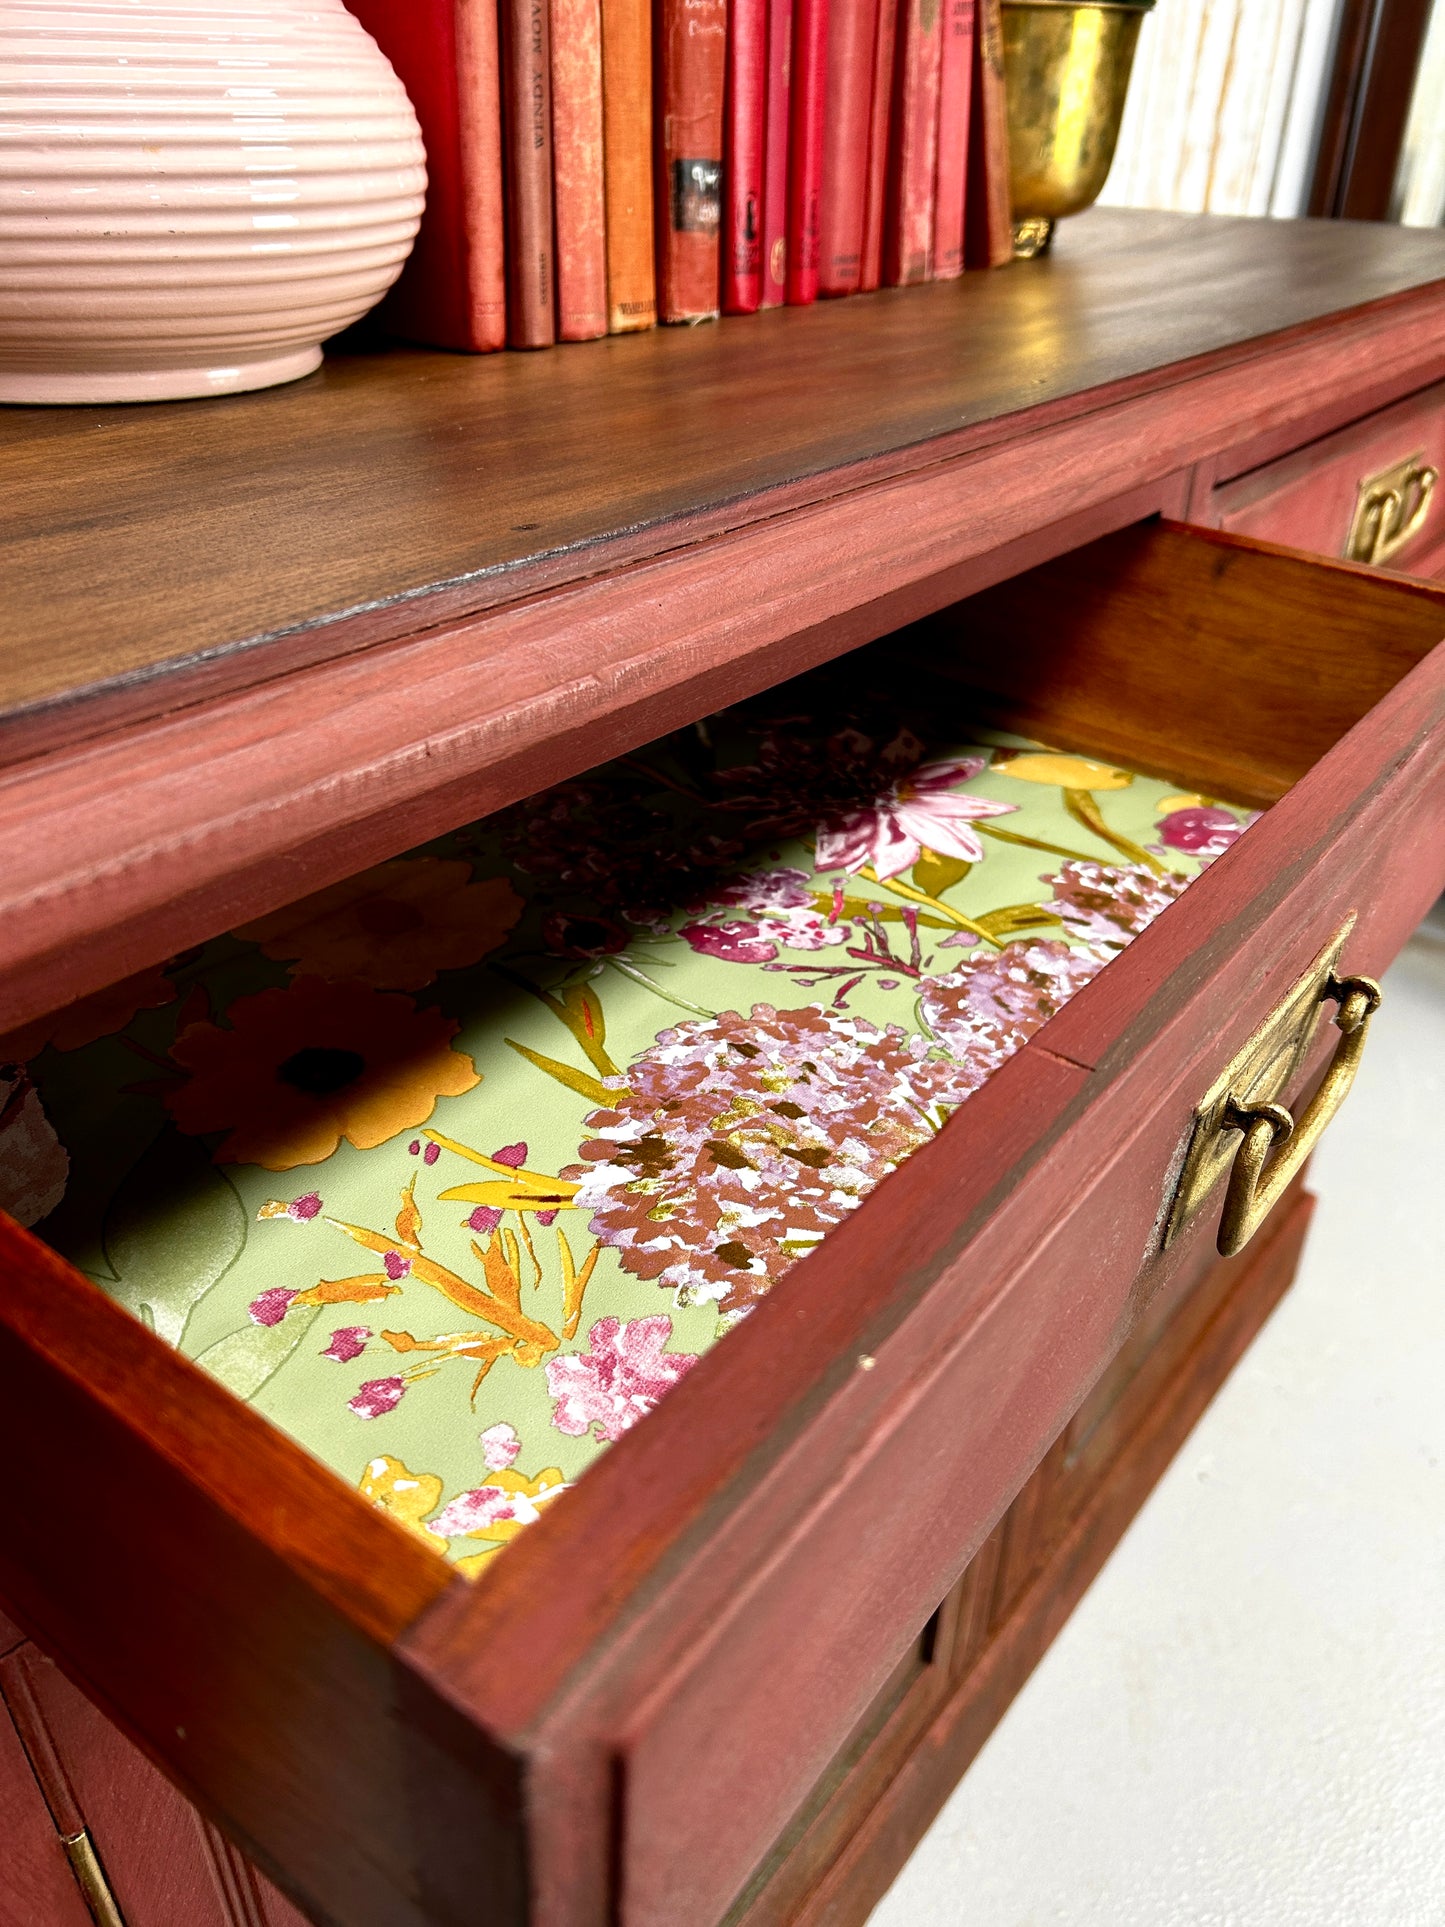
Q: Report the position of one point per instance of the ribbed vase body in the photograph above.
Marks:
(194, 195)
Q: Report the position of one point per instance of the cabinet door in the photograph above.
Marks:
(164, 1865)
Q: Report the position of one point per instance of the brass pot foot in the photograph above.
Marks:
(1033, 236)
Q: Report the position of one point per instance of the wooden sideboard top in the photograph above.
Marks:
(397, 489)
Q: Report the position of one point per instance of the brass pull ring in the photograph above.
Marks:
(1390, 509)
(1258, 1180)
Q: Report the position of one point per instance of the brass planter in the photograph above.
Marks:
(1067, 72)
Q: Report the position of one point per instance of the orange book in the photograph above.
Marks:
(691, 73)
(579, 205)
(627, 139)
(452, 292)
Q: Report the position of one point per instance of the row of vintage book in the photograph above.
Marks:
(597, 166)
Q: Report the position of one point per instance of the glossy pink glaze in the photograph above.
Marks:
(194, 195)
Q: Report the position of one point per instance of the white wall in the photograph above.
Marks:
(1224, 106)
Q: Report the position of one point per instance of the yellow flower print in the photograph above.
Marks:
(1066, 772)
(295, 1070)
(407, 1496)
(393, 927)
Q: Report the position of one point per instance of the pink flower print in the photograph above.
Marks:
(395, 1265)
(377, 1397)
(923, 810)
(1106, 905)
(734, 942)
(780, 911)
(607, 1389)
(1201, 832)
(982, 1012)
(500, 1446)
(427, 1153)
(476, 1513)
(347, 1342)
(271, 1307)
(487, 1217)
(299, 1210)
(738, 1142)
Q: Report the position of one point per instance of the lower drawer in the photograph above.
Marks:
(881, 1794)
(616, 1717)
(1368, 493)
(93, 1833)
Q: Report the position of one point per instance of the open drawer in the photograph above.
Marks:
(614, 1713)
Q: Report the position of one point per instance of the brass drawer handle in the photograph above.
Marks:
(1248, 1096)
(1257, 1180)
(1390, 508)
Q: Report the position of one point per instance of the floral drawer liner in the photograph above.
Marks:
(455, 1168)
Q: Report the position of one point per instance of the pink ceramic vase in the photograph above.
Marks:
(194, 194)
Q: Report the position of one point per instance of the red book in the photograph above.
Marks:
(880, 131)
(852, 37)
(775, 153)
(805, 148)
(527, 131)
(747, 90)
(989, 236)
(579, 206)
(452, 291)
(908, 242)
(691, 74)
(955, 91)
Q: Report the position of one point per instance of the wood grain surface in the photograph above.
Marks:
(235, 803)
(393, 490)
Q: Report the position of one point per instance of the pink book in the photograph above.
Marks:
(908, 244)
(805, 148)
(852, 36)
(880, 128)
(955, 90)
(743, 135)
(775, 154)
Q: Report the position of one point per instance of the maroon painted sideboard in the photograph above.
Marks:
(255, 645)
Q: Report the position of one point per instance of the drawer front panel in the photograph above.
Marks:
(735, 1735)
(1365, 494)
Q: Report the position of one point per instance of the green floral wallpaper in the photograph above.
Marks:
(454, 1169)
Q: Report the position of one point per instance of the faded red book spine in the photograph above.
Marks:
(852, 36)
(527, 126)
(955, 92)
(880, 132)
(805, 148)
(579, 205)
(691, 76)
(775, 153)
(988, 240)
(908, 242)
(747, 92)
(627, 124)
(452, 291)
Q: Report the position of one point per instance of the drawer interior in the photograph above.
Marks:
(453, 1169)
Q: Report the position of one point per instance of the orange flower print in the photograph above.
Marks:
(296, 1070)
(101, 1014)
(393, 927)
